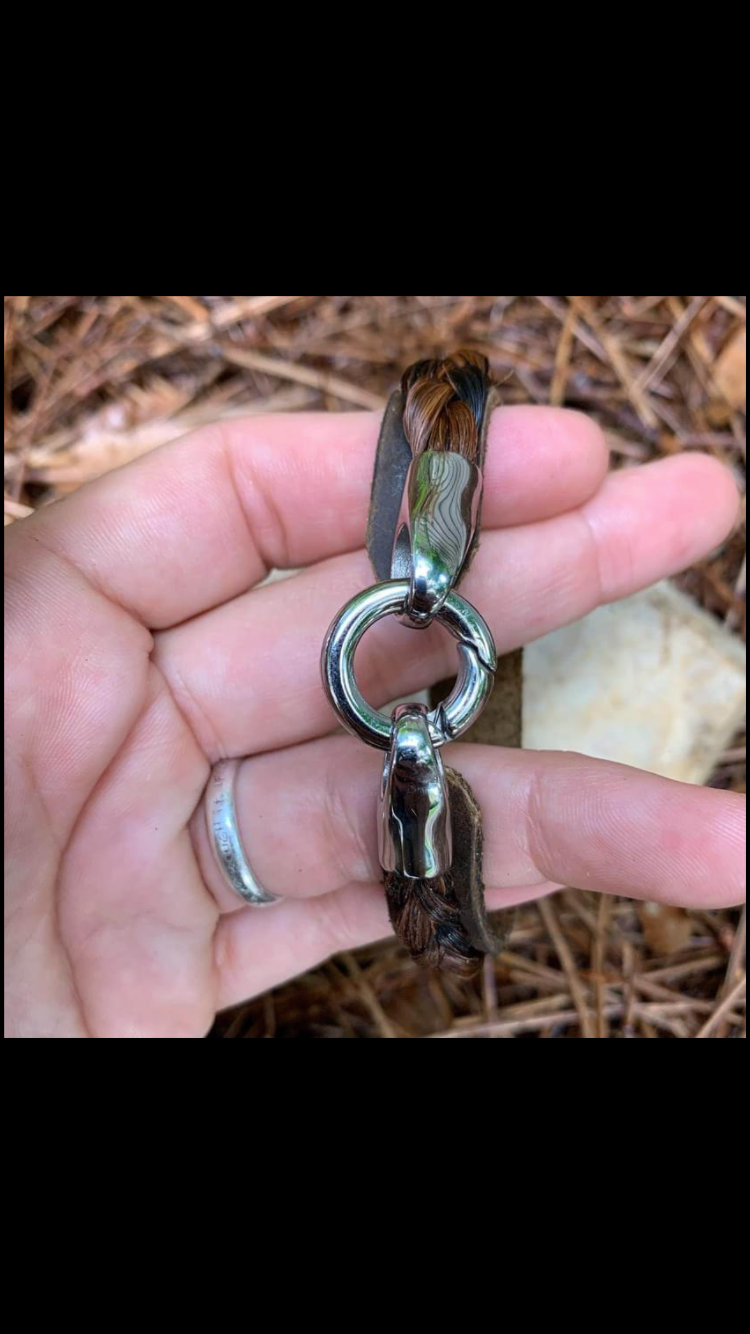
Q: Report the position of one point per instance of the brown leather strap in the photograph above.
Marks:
(392, 462)
(443, 405)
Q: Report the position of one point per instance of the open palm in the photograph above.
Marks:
(136, 657)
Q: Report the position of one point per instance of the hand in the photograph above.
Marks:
(136, 657)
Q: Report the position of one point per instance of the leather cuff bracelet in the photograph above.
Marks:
(422, 533)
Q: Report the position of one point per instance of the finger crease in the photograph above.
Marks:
(194, 714)
(538, 848)
(276, 551)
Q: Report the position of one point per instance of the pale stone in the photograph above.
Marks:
(652, 681)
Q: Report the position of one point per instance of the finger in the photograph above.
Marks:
(200, 521)
(548, 817)
(329, 789)
(247, 674)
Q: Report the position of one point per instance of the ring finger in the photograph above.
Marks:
(548, 818)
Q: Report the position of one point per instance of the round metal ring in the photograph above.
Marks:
(225, 839)
(477, 663)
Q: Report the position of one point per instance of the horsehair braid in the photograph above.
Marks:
(444, 403)
(425, 916)
(444, 407)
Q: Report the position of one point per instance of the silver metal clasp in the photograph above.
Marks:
(415, 827)
(435, 530)
(477, 662)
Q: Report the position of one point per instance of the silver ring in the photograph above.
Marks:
(477, 664)
(224, 836)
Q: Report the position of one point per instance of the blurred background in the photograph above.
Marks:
(93, 382)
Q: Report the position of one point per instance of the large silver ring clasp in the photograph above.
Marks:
(476, 653)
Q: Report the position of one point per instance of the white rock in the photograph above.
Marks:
(652, 681)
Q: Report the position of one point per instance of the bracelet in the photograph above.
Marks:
(422, 533)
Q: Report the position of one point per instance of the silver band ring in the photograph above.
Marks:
(477, 664)
(224, 836)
